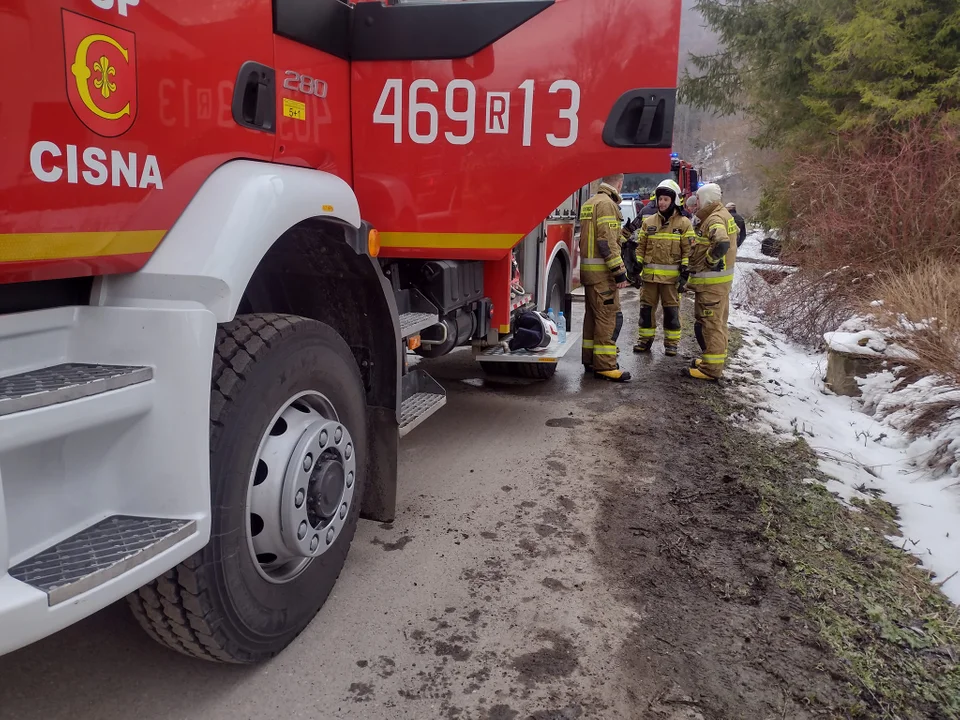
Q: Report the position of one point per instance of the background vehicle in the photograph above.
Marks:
(686, 175)
(290, 194)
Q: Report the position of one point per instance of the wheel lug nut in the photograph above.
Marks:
(314, 543)
(348, 452)
(307, 462)
(302, 530)
(330, 535)
(323, 438)
(338, 435)
(300, 497)
(343, 511)
(350, 479)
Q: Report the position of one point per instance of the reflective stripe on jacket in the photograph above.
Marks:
(600, 224)
(716, 226)
(663, 246)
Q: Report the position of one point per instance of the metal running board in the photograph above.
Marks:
(496, 353)
(100, 553)
(63, 383)
(418, 408)
(412, 323)
(424, 396)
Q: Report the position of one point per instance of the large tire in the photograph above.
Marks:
(217, 605)
(556, 286)
(537, 371)
(533, 370)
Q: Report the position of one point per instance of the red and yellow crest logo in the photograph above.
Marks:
(101, 64)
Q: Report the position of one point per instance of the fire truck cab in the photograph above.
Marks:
(222, 225)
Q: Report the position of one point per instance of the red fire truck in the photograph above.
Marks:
(289, 194)
(686, 175)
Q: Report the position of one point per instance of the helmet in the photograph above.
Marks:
(534, 331)
(708, 194)
(672, 187)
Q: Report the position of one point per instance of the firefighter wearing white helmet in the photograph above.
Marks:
(663, 251)
(712, 260)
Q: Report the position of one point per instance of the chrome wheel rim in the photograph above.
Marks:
(301, 487)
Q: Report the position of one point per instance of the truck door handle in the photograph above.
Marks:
(255, 97)
(642, 119)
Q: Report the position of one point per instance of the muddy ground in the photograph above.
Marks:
(564, 550)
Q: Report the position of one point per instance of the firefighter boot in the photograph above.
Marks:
(618, 375)
(671, 329)
(697, 374)
(646, 330)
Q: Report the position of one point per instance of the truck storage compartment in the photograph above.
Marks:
(448, 284)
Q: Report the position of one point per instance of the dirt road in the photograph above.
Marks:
(570, 549)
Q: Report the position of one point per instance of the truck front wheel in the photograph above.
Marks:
(287, 450)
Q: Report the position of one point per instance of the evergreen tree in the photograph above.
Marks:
(802, 68)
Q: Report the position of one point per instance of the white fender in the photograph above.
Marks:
(211, 252)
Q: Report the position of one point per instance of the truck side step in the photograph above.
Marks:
(100, 553)
(496, 353)
(66, 382)
(422, 397)
(412, 323)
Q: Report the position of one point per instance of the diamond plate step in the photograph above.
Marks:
(100, 553)
(412, 323)
(63, 383)
(419, 407)
(422, 397)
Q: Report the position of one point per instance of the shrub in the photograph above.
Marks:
(883, 199)
(923, 304)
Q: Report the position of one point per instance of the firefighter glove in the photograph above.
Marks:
(632, 226)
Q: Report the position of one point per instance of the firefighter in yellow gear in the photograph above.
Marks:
(663, 251)
(712, 261)
(602, 275)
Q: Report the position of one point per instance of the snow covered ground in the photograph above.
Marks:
(750, 249)
(866, 454)
(749, 287)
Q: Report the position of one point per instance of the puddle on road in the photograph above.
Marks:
(567, 422)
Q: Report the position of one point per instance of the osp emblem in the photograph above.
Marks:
(101, 65)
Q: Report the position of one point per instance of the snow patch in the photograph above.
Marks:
(750, 250)
(866, 343)
(863, 443)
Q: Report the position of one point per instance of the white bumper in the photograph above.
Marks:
(138, 451)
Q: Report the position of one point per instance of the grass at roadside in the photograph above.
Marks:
(895, 633)
(924, 299)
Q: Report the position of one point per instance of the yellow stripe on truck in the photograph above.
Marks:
(500, 241)
(52, 246)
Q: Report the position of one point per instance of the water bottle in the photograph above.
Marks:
(562, 327)
(551, 315)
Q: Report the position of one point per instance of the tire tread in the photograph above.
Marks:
(175, 609)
